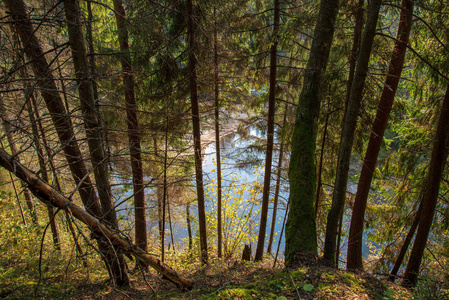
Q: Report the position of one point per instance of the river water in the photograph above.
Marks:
(242, 180)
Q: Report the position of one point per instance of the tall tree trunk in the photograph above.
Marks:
(354, 256)
(49, 195)
(349, 127)
(270, 136)
(93, 133)
(133, 127)
(278, 185)
(430, 193)
(300, 231)
(55, 106)
(217, 141)
(191, 32)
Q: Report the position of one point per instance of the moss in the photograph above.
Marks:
(301, 228)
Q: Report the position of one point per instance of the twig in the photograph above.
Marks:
(144, 278)
(40, 253)
(296, 289)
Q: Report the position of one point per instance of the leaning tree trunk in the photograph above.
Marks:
(133, 127)
(49, 195)
(300, 234)
(347, 137)
(270, 136)
(354, 256)
(430, 193)
(60, 118)
(191, 31)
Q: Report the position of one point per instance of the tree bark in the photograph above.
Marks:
(217, 141)
(278, 185)
(353, 56)
(49, 195)
(349, 127)
(133, 127)
(407, 241)
(300, 231)
(430, 194)
(270, 136)
(191, 31)
(354, 256)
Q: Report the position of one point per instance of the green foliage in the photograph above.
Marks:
(240, 208)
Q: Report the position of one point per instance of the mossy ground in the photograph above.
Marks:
(218, 280)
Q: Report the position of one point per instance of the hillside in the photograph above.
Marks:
(219, 280)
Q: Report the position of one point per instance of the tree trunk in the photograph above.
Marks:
(270, 136)
(407, 241)
(133, 127)
(354, 256)
(278, 185)
(300, 231)
(217, 142)
(319, 176)
(61, 120)
(349, 127)
(353, 56)
(49, 195)
(191, 31)
(189, 226)
(430, 193)
(160, 200)
(93, 133)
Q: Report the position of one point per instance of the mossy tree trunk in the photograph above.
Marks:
(300, 231)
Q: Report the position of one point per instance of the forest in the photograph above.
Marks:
(247, 149)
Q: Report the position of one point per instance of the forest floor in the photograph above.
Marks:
(218, 280)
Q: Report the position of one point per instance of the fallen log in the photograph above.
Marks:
(49, 195)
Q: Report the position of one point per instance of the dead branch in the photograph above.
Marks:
(49, 195)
